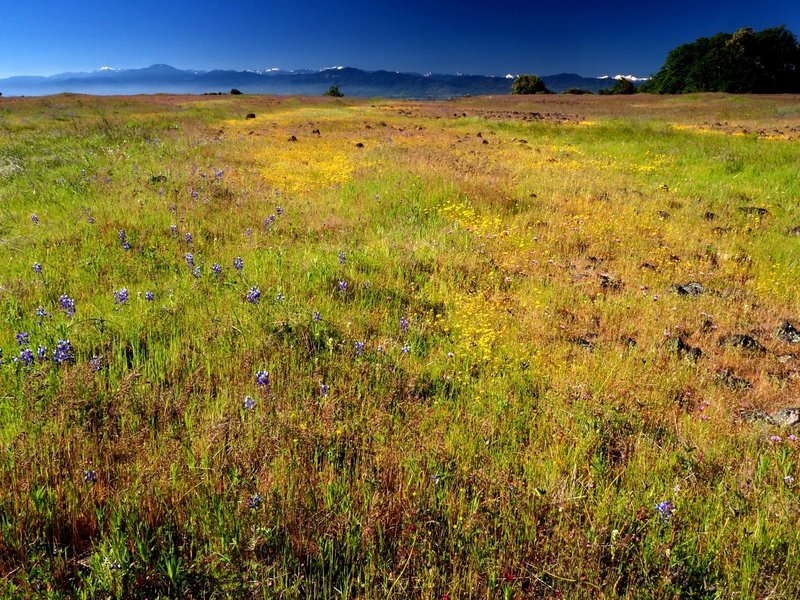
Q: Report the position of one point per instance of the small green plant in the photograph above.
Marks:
(334, 92)
(529, 84)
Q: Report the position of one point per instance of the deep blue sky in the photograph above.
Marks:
(490, 37)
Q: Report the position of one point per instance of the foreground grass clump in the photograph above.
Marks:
(485, 348)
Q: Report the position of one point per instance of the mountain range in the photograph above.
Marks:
(351, 81)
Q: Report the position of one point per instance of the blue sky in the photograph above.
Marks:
(490, 37)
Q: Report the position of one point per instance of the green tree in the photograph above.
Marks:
(529, 84)
(622, 87)
(235, 92)
(334, 91)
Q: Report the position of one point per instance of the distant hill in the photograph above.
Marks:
(353, 82)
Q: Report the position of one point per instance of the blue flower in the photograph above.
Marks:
(188, 237)
(37, 267)
(96, 363)
(324, 389)
(216, 268)
(342, 286)
(189, 259)
(35, 219)
(238, 263)
(279, 210)
(26, 357)
(249, 403)
(359, 347)
(279, 297)
(126, 245)
(41, 353)
(254, 502)
(665, 510)
(316, 317)
(262, 379)
(22, 338)
(253, 295)
(249, 231)
(63, 353)
(67, 304)
(121, 296)
(90, 476)
(173, 229)
(342, 258)
(194, 194)
(405, 349)
(122, 235)
(196, 272)
(148, 295)
(403, 325)
(41, 312)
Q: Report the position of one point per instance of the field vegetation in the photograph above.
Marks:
(512, 347)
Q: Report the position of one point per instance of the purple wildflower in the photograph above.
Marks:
(96, 363)
(342, 257)
(218, 174)
(279, 297)
(279, 210)
(188, 237)
(194, 194)
(254, 502)
(149, 296)
(359, 346)
(216, 268)
(342, 286)
(122, 235)
(249, 403)
(665, 510)
(121, 296)
(189, 259)
(41, 312)
(324, 389)
(403, 325)
(64, 353)
(37, 267)
(173, 229)
(41, 353)
(90, 476)
(405, 349)
(262, 378)
(22, 338)
(35, 219)
(238, 263)
(775, 438)
(253, 295)
(316, 317)
(67, 304)
(26, 357)
(249, 231)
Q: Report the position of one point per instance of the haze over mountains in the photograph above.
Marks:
(352, 82)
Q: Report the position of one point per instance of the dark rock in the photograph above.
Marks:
(788, 333)
(729, 379)
(755, 211)
(784, 417)
(583, 343)
(158, 178)
(742, 341)
(684, 350)
(315, 132)
(609, 282)
(250, 116)
(663, 215)
(360, 145)
(691, 288)
(293, 138)
(709, 216)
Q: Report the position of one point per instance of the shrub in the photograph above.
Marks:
(235, 92)
(334, 92)
(529, 84)
(621, 87)
(576, 91)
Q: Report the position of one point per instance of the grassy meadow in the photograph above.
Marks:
(395, 349)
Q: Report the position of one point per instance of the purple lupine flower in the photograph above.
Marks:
(279, 210)
(218, 174)
(324, 389)
(122, 235)
(316, 317)
(249, 403)
(173, 229)
(22, 338)
(197, 272)
(342, 257)
(126, 245)
(67, 305)
(254, 502)
(41, 312)
(121, 296)
(253, 295)
(26, 357)
(249, 231)
(279, 297)
(403, 325)
(188, 237)
(405, 349)
(64, 353)
(342, 286)
(96, 363)
(359, 347)
(216, 268)
(37, 267)
(35, 219)
(238, 263)
(41, 353)
(149, 296)
(194, 194)
(665, 510)
(189, 259)
(90, 476)
(262, 378)
(90, 220)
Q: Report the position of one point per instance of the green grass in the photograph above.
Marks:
(513, 442)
